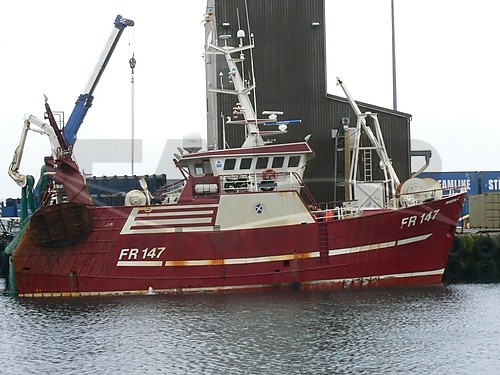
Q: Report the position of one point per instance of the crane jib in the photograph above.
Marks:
(84, 101)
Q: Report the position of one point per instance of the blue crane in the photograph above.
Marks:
(63, 140)
(84, 101)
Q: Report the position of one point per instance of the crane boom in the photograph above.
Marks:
(63, 169)
(84, 101)
(40, 127)
(376, 139)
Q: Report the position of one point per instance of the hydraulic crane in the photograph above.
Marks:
(62, 141)
(84, 101)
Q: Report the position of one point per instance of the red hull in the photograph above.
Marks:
(124, 254)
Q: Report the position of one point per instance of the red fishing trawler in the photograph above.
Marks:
(240, 219)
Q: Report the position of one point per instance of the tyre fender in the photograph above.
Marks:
(485, 248)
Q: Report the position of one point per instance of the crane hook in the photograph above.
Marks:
(132, 63)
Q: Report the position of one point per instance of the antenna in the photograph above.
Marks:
(251, 37)
(238, 16)
(240, 34)
(132, 62)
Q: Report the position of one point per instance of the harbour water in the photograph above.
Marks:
(441, 329)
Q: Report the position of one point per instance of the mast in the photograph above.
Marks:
(241, 90)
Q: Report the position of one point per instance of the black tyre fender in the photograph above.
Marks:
(485, 248)
(4, 267)
(457, 248)
(454, 271)
(486, 271)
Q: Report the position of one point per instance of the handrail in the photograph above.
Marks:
(348, 209)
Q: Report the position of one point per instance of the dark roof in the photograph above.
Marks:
(372, 107)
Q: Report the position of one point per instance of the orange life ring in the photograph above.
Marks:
(329, 215)
(269, 174)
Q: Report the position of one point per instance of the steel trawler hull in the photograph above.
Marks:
(182, 248)
(240, 218)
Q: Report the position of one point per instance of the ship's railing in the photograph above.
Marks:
(414, 198)
(261, 182)
(347, 209)
(335, 210)
(171, 193)
(454, 190)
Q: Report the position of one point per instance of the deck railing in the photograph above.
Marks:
(255, 182)
(349, 209)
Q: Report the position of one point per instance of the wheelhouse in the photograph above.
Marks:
(264, 168)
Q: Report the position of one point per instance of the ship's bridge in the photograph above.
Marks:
(263, 168)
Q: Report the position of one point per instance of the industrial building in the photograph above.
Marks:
(290, 76)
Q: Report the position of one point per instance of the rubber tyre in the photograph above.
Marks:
(457, 248)
(486, 271)
(454, 271)
(4, 268)
(485, 248)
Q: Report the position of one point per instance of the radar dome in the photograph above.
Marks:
(192, 142)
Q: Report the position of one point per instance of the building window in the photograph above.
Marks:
(262, 163)
(246, 163)
(278, 161)
(229, 164)
(293, 161)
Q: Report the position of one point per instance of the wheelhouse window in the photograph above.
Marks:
(207, 167)
(293, 161)
(229, 164)
(246, 163)
(278, 161)
(202, 167)
(198, 169)
(262, 163)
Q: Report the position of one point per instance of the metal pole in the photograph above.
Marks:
(347, 164)
(132, 63)
(394, 93)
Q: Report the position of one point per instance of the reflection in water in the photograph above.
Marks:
(433, 330)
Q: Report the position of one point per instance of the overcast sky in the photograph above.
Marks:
(447, 73)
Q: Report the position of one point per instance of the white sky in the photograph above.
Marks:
(447, 73)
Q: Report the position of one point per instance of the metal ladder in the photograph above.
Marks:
(367, 157)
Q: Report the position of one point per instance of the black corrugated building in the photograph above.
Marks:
(290, 70)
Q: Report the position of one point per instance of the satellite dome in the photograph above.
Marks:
(192, 142)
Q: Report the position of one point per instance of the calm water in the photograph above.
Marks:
(426, 330)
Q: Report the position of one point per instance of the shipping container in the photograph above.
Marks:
(111, 190)
(485, 210)
(480, 185)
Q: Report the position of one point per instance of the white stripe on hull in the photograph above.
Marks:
(183, 221)
(174, 213)
(165, 219)
(414, 239)
(359, 249)
(169, 230)
(277, 258)
(175, 207)
(234, 261)
(139, 263)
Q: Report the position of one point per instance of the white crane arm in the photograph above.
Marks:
(42, 128)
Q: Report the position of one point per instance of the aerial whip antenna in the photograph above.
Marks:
(132, 63)
(251, 37)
